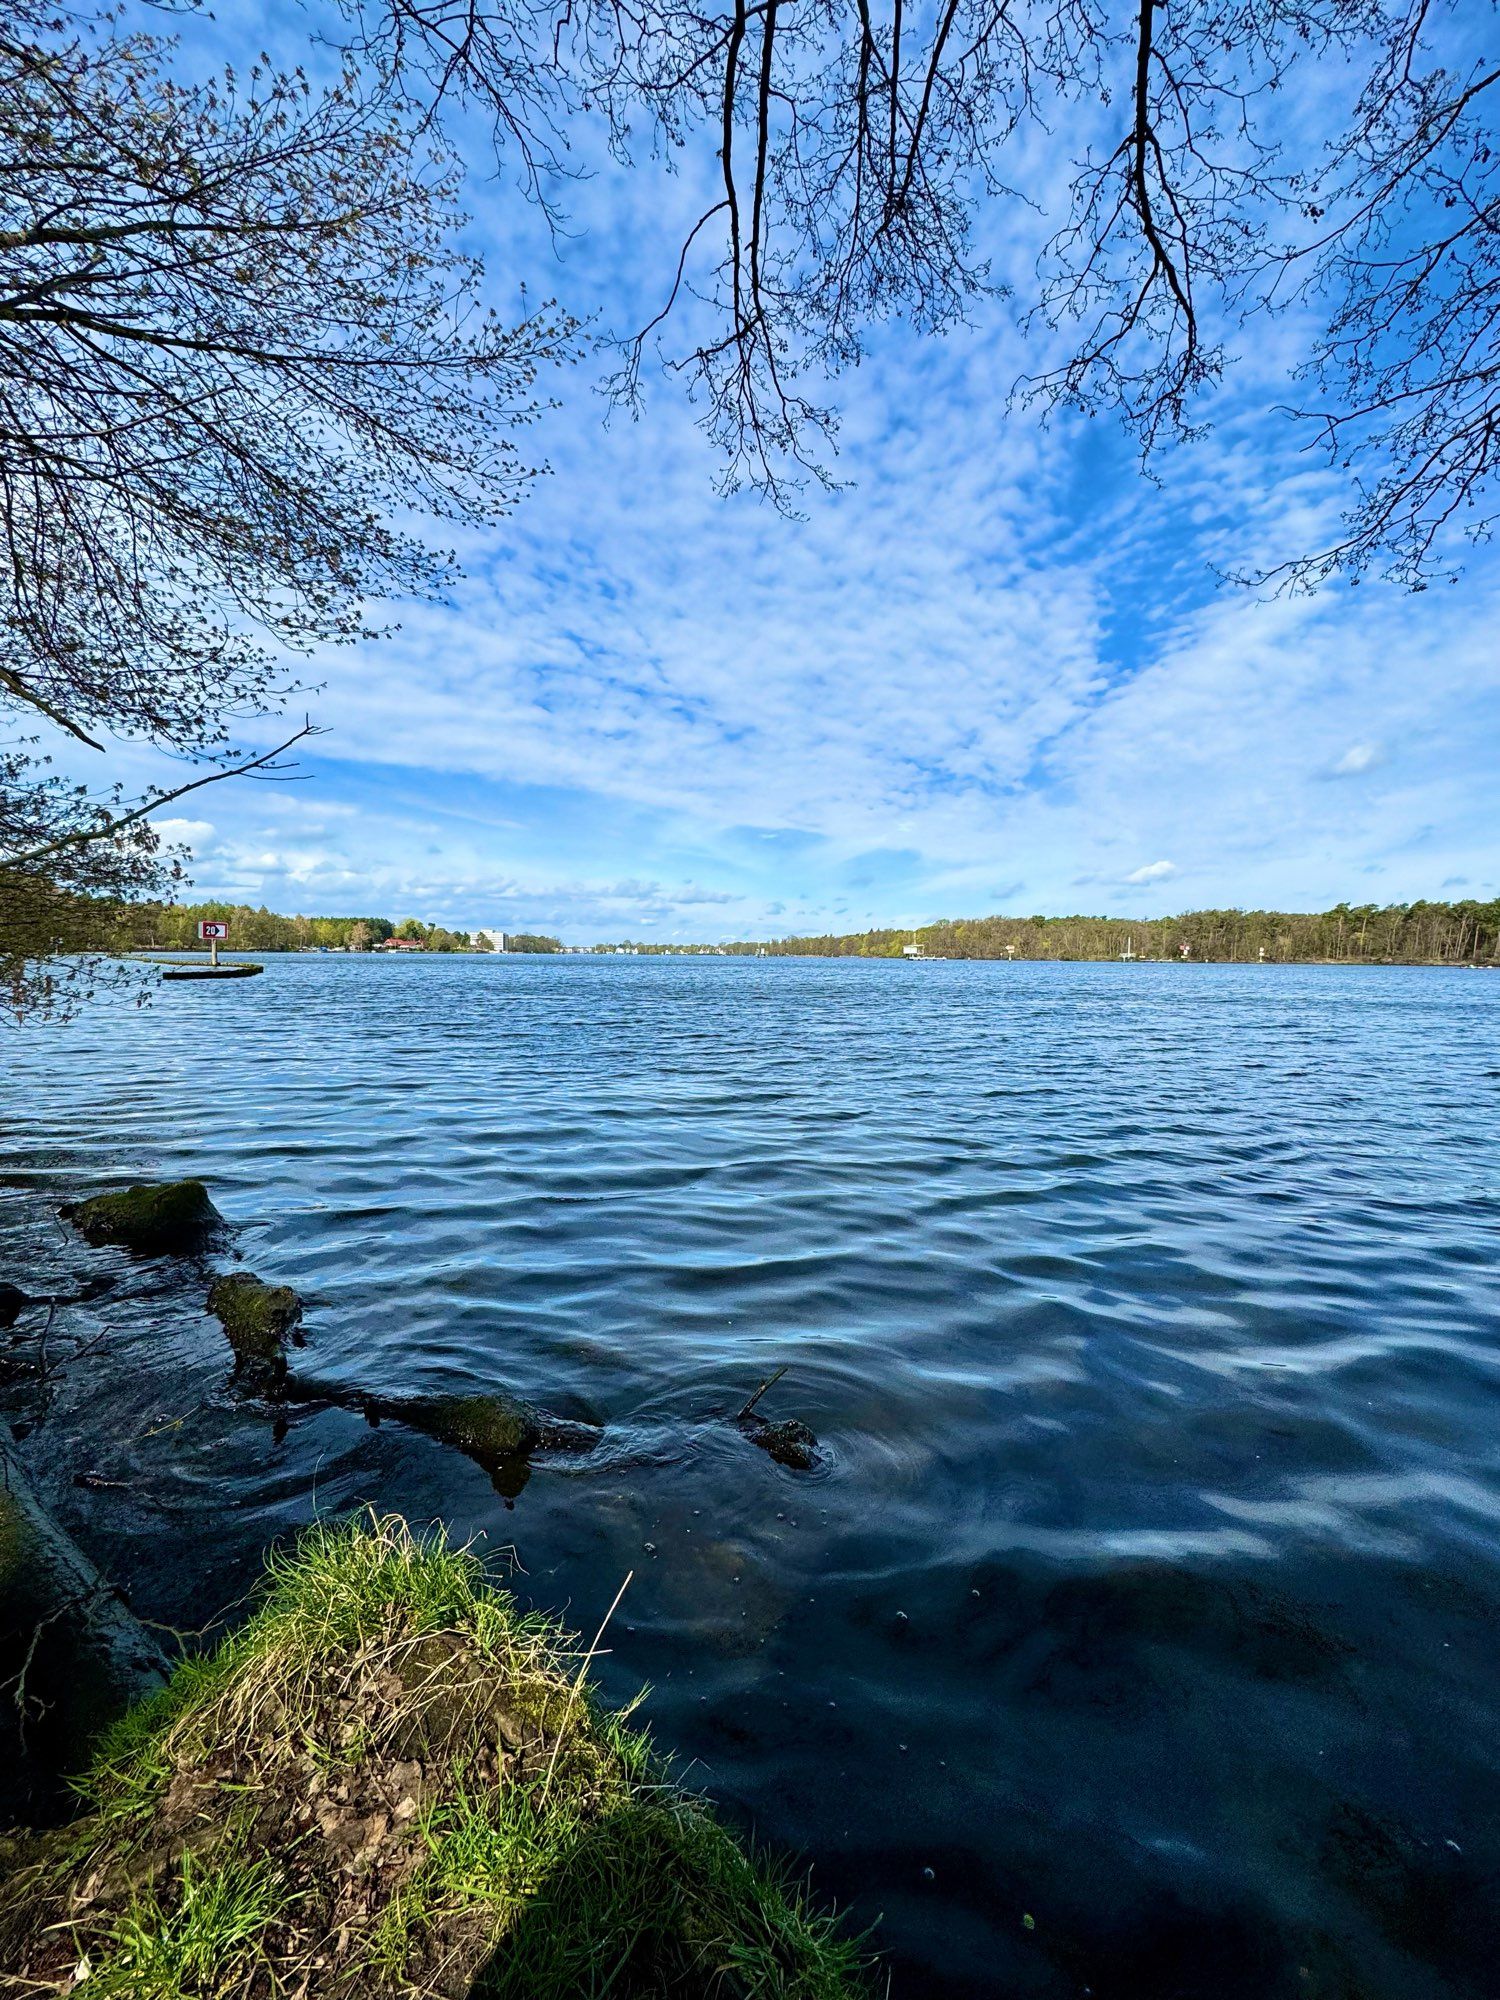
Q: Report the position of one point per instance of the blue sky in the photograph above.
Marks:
(995, 672)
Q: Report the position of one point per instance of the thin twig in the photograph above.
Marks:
(35, 1704)
(578, 1684)
(41, 1348)
(769, 1383)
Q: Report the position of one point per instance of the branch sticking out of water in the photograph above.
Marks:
(769, 1383)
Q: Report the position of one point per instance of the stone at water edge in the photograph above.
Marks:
(492, 1426)
(170, 1218)
(257, 1318)
(496, 1425)
(497, 1430)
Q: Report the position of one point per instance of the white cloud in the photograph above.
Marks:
(997, 660)
(1154, 871)
(1358, 757)
(199, 834)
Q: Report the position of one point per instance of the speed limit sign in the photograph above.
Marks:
(208, 930)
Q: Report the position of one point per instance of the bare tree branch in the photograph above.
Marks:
(112, 828)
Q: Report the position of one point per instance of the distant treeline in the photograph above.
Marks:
(94, 924)
(1350, 933)
(1364, 933)
(90, 924)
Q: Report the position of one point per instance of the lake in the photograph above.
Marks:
(1136, 1637)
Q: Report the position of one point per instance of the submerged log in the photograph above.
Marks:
(789, 1442)
(73, 1656)
(497, 1430)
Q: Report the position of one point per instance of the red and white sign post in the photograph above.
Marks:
(213, 932)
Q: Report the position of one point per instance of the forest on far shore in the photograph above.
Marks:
(1364, 933)
(1418, 933)
(98, 924)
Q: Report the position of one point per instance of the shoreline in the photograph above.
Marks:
(1423, 932)
(228, 955)
(512, 1834)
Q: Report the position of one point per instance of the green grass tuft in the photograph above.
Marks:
(206, 1935)
(391, 1782)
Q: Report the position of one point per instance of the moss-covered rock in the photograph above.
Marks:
(257, 1318)
(391, 1782)
(171, 1218)
(497, 1430)
(497, 1426)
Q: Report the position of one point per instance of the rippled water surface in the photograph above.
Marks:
(1137, 1636)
